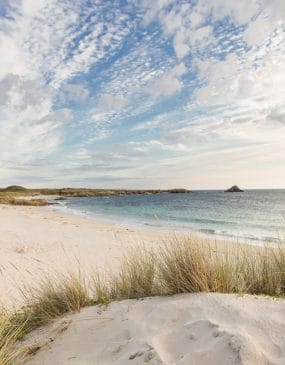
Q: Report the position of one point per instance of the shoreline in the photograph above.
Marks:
(37, 240)
(227, 227)
(162, 228)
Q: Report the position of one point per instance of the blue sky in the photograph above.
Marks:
(142, 93)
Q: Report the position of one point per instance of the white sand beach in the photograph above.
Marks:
(190, 329)
(36, 240)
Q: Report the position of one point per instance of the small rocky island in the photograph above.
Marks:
(234, 189)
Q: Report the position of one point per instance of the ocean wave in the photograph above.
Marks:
(60, 206)
(239, 235)
(216, 227)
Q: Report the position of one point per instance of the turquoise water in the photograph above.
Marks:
(254, 214)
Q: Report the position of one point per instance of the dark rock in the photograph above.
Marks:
(179, 191)
(234, 189)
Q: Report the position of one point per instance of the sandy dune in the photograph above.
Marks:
(34, 240)
(201, 329)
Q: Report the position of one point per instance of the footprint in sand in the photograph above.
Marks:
(147, 355)
(197, 343)
(203, 342)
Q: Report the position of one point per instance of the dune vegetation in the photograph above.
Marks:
(182, 265)
(12, 200)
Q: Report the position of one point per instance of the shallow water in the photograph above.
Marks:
(252, 215)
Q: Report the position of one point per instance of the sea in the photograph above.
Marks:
(253, 215)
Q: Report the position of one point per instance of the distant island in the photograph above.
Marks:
(19, 195)
(234, 189)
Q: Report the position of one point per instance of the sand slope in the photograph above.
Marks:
(34, 240)
(202, 329)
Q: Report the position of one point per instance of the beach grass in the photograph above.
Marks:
(181, 265)
(192, 265)
(135, 278)
(53, 297)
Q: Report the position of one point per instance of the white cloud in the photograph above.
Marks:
(252, 76)
(258, 31)
(247, 84)
(156, 122)
(53, 39)
(74, 93)
(196, 18)
(240, 11)
(114, 102)
(180, 44)
(167, 84)
(28, 134)
(153, 8)
(182, 23)
(11, 50)
(152, 145)
(275, 8)
(46, 44)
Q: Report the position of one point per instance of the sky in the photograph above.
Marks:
(142, 93)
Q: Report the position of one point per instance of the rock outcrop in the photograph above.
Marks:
(234, 189)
